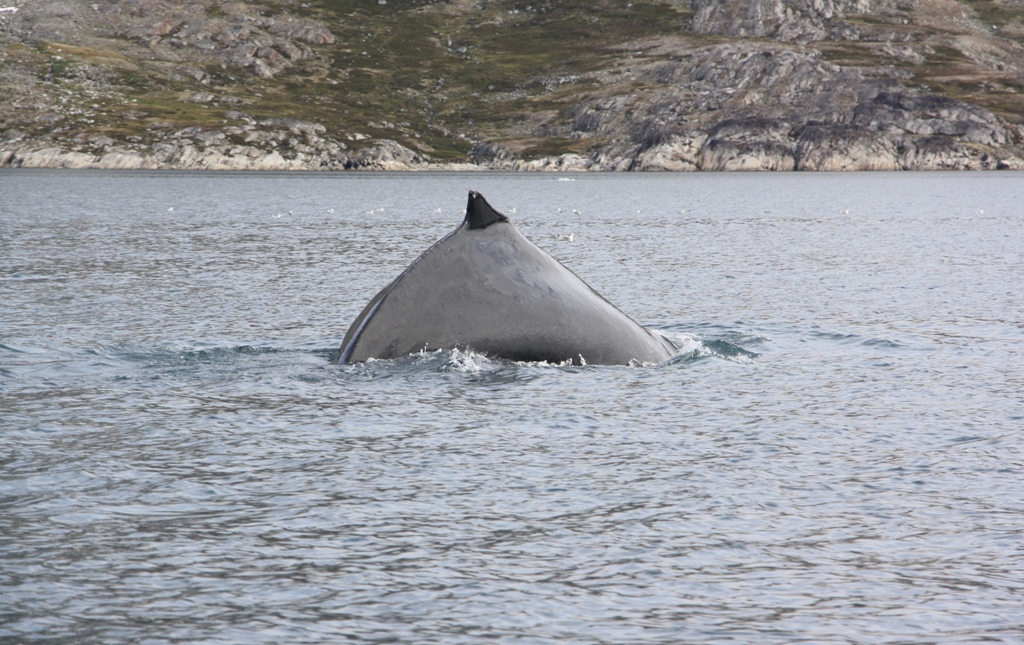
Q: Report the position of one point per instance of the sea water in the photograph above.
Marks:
(835, 455)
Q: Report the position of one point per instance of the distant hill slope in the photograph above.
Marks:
(534, 84)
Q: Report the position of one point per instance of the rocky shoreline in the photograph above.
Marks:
(666, 158)
(834, 151)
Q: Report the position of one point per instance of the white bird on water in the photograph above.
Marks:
(330, 210)
(170, 210)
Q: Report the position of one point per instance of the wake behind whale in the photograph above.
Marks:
(485, 288)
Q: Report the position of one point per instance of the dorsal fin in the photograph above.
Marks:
(480, 214)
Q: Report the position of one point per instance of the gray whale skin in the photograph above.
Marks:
(484, 287)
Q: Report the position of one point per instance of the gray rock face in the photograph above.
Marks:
(237, 34)
(268, 144)
(785, 20)
(747, 106)
(385, 155)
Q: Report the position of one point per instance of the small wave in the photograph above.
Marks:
(249, 349)
(188, 359)
(737, 333)
(198, 351)
(727, 350)
(24, 277)
(694, 349)
(176, 355)
(881, 342)
(857, 339)
(742, 339)
(833, 335)
(22, 349)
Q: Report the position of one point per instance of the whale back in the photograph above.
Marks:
(486, 288)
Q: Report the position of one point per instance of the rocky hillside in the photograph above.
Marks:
(513, 84)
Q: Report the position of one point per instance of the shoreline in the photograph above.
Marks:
(390, 156)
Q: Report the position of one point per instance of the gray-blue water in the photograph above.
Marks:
(836, 455)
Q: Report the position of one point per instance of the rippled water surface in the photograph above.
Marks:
(835, 456)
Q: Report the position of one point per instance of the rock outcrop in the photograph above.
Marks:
(385, 155)
(787, 20)
(750, 107)
(268, 144)
(231, 33)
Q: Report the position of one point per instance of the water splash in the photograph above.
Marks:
(694, 349)
(468, 361)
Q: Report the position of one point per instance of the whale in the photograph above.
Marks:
(486, 288)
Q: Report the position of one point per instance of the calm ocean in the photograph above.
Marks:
(836, 455)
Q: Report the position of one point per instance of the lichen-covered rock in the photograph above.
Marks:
(785, 20)
(384, 155)
(748, 106)
(844, 148)
(235, 34)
